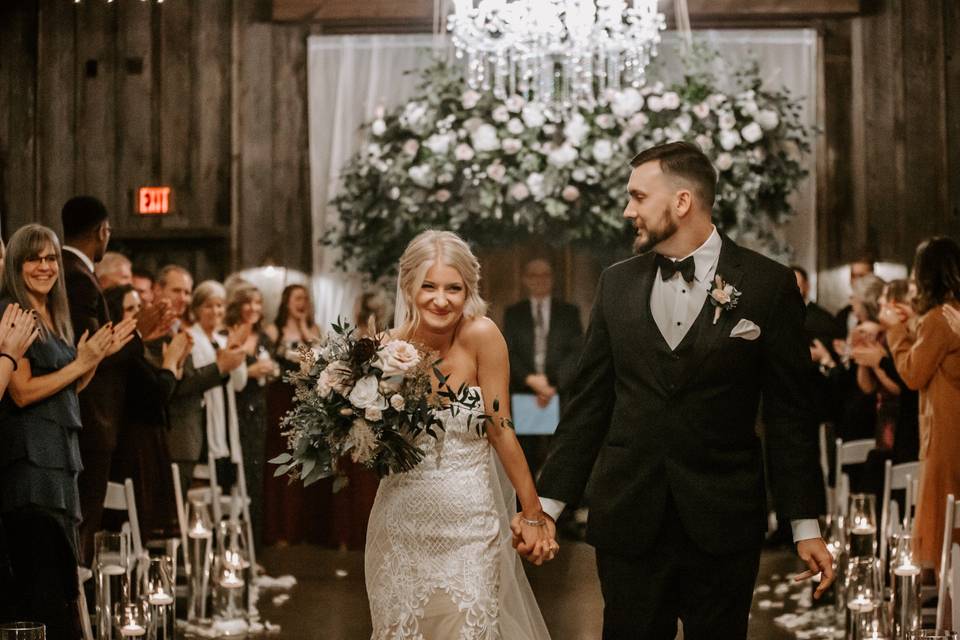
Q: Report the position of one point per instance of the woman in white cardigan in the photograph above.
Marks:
(222, 432)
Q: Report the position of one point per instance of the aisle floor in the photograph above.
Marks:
(329, 601)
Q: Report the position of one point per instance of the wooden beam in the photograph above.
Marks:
(418, 14)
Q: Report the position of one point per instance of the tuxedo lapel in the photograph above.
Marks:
(709, 334)
(648, 336)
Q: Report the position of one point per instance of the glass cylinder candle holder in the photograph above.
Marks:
(200, 533)
(22, 631)
(111, 561)
(231, 569)
(131, 619)
(864, 596)
(862, 525)
(905, 574)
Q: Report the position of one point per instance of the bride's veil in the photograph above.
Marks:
(520, 617)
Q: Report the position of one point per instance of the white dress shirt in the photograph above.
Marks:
(544, 311)
(80, 254)
(675, 305)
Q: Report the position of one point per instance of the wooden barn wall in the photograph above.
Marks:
(209, 97)
(101, 98)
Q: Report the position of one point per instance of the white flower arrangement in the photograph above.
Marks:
(496, 171)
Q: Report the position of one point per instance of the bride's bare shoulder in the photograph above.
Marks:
(480, 331)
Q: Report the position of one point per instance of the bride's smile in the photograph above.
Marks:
(441, 298)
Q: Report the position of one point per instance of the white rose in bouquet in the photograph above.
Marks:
(671, 100)
(515, 103)
(579, 175)
(705, 142)
(410, 147)
(470, 99)
(562, 156)
(716, 99)
(511, 146)
(768, 119)
(497, 171)
(397, 402)
(724, 161)
(533, 116)
(338, 376)
(397, 357)
(379, 127)
(438, 143)
(422, 175)
(701, 110)
(485, 138)
(606, 121)
(472, 124)
(515, 126)
(500, 114)
(576, 130)
(655, 104)
(727, 120)
(626, 103)
(683, 122)
(638, 121)
(752, 132)
(602, 151)
(729, 139)
(463, 152)
(519, 191)
(570, 193)
(366, 393)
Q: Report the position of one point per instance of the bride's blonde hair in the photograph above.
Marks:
(429, 248)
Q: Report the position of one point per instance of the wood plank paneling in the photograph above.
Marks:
(96, 101)
(134, 85)
(178, 73)
(18, 102)
(56, 108)
(210, 159)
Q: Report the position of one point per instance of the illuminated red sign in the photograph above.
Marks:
(153, 201)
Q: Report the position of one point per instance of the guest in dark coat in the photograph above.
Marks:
(142, 452)
(40, 426)
(543, 335)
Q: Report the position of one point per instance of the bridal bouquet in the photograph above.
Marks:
(363, 397)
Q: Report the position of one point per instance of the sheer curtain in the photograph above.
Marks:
(349, 77)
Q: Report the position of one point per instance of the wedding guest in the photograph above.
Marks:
(859, 268)
(291, 512)
(186, 411)
(86, 232)
(214, 431)
(142, 452)
(39, 427)
(114, 269)
(543, 335)
(929, 361)
(245, 309)
(143, 280)
(372, 306)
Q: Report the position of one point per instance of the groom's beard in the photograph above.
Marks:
(666, 228)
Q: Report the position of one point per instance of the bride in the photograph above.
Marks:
(439, 560)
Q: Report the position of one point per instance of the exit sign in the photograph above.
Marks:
(153, 201)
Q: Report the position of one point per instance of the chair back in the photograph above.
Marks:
(895, 477)
(951, 521)
(120, 497)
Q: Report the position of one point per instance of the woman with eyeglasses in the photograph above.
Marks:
(39, 427)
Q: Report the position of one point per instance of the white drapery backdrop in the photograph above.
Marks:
(349, 77)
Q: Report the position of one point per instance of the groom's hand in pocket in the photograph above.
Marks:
(814, 552)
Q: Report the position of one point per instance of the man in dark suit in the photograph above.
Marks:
(859, 268)
(86, 233)
(683, 342)
(543, 337)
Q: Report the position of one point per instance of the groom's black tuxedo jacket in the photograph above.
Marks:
(683, 422)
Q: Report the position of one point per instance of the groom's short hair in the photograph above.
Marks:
(684, 160)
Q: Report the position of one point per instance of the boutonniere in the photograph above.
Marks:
(724, 297)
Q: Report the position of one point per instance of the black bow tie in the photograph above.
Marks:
(687, 267)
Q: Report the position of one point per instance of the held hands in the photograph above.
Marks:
(819, 560)
(18, 330)
(536, 543)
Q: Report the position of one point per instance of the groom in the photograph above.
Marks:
(664, 407)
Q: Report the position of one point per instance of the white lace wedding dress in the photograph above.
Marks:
(439, 562)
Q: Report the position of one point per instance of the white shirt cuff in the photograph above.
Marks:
(803, 529)
(552, 508)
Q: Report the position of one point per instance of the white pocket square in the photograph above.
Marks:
(746, 330)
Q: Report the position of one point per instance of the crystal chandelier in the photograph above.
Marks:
(556, 52)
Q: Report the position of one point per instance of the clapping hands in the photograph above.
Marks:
(92, 349)
(537, 543)
(18, 330)
(154, 321)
